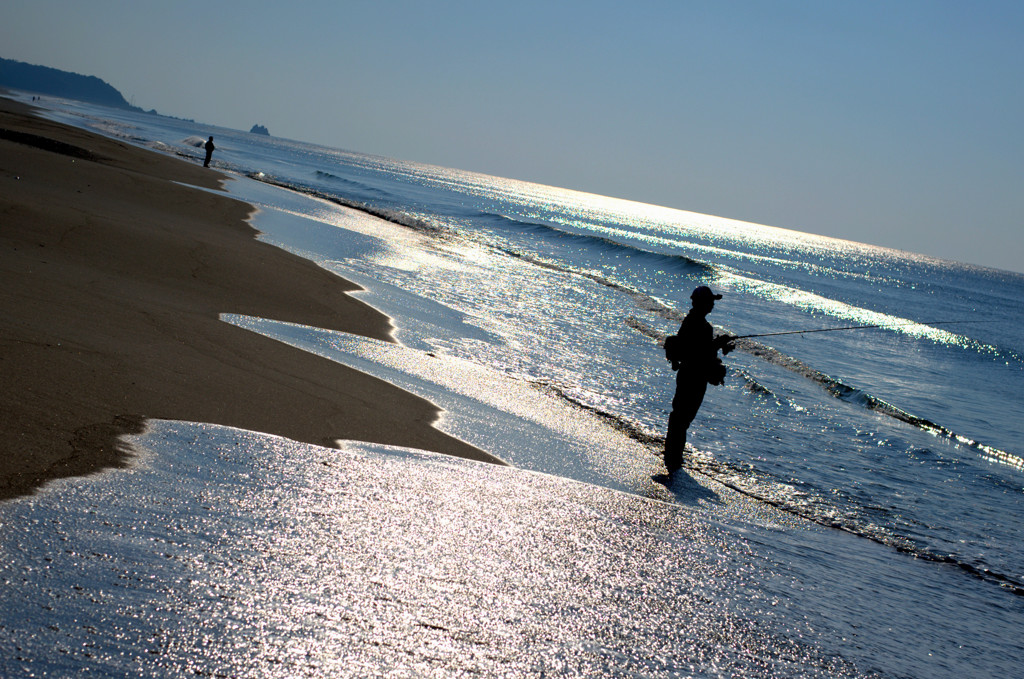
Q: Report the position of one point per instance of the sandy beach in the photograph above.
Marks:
(113, 275)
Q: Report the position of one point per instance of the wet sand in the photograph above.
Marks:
(112, 277)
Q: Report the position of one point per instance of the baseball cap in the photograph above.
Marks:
(704, 292)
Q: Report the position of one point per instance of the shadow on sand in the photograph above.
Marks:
(686, 489)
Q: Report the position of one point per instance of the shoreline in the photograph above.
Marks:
(113, 273)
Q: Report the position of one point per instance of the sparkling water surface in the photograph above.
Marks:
(230, 553)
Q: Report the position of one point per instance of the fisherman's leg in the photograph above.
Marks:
(687, 401)
(675, 441)
(679, 420)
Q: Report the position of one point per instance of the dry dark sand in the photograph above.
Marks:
(111, 281)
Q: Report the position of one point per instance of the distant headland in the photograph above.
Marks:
(45, 80)
(18, 75)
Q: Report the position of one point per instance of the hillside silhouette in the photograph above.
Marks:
(54, 82)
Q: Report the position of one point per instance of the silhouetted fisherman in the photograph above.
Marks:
(694, 355)
(209, 152)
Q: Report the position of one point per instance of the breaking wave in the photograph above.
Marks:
(351, 185)
(439, 229)
(654, 260)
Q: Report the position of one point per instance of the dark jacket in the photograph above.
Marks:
(693, 351)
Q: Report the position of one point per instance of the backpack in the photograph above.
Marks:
(673, 349)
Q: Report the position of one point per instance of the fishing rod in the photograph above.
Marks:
(851, 327)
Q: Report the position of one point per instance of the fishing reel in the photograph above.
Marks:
(725, 343)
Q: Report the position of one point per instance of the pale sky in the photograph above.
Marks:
(892, 123)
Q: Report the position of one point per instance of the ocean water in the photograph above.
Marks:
(852, 504)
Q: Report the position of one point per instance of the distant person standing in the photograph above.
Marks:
(209, 152)
(694, 355)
